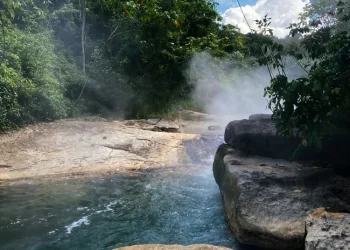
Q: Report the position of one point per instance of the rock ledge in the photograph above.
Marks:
(267, 201)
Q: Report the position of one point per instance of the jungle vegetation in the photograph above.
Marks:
(122, 58)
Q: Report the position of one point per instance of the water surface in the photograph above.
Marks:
(180, 205)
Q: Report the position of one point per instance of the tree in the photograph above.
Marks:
(122, 58)
(318, 104)
(32, 73)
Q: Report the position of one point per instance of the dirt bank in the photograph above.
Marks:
(86, 148)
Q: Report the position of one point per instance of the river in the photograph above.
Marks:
(177, 205)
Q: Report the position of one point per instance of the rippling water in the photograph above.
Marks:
(168, 207)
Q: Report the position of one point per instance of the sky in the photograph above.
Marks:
(282, 12)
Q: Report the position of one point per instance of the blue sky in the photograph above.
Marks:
(226, 4)
(282, 12)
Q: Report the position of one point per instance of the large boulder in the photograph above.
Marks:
(172, 247)
(327, 231)
(267, 201)
(260, 117)
(260, 137)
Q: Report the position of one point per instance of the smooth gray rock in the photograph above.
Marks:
(260, 117)
(259, 137)
(327, 231)
(267, 201)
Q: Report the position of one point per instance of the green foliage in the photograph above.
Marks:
(158, 40)
(136, 53)
(319, 103)
(33, 76)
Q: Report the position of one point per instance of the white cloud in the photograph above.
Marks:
(282, 12)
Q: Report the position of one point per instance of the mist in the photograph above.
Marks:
(224, 90)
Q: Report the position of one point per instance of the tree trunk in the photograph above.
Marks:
(83, 17)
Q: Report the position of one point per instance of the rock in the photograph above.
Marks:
(163, 126)
(260, 117)
(259, 137)
(214, 128)
(219, 165)
(267, 201)
(173, 247)
(168, 129)
(86, 148)
(326, 231)
(189, 115)
(154, 121)
(5, 166)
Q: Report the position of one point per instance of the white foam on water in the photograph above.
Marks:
(15, 222)
(83, 221)
(82, 208)
(108, 207)
(52, 232)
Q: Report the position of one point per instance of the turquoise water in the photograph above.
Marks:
(179, 205)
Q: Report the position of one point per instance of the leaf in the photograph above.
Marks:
(297, 191)
(177, 23)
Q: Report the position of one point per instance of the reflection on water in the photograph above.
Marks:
(182, 207)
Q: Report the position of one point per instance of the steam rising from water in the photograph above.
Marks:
(223, 90)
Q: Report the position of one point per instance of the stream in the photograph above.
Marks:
(179, 205)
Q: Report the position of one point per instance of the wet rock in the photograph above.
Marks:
(326, 231)
(168, 129)
(173, 247)
(267, 201)
(219, 165)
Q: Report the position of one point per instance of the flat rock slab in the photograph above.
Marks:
(188, 115)
(327, 231)
(86, 148)
(173, 247)
(267, 201)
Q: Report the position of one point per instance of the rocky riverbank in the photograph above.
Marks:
(268, 200)
(87, 148)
